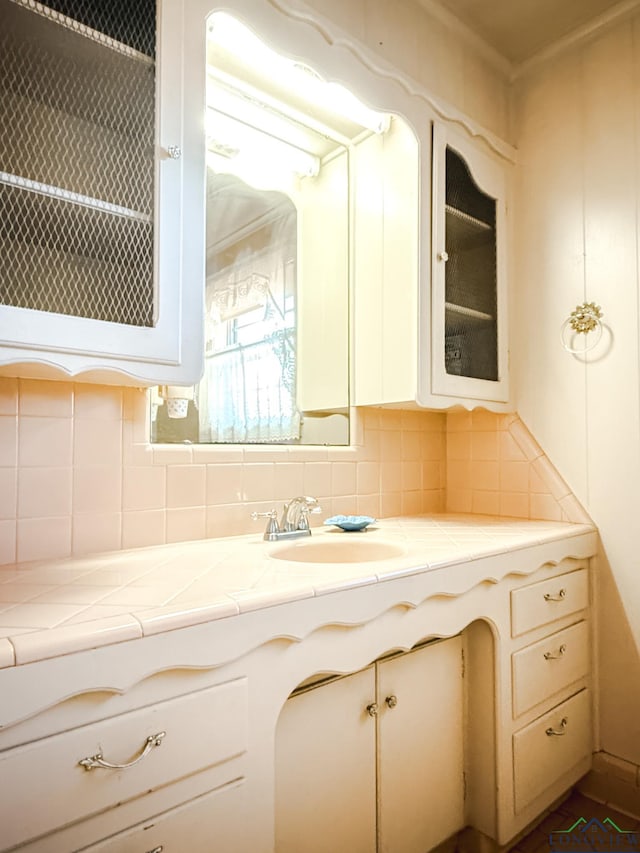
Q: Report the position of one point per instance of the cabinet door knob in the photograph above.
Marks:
(443, 256)
(174, 152)
(391, 701)
(557, 655)
(372, 709)
(551, 732)
(549, 596)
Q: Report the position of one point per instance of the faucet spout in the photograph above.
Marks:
(294, 522)
(295, 515)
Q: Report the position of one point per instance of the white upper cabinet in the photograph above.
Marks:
(103, 196)
(430, 300)
(100, 268)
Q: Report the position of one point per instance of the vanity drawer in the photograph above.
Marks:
(193, 731)
(546, 601)
(211, 822)
(544, 668)
(550, 747)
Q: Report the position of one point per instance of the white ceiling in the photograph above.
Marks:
(519, 29)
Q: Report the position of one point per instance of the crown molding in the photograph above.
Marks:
(493, 57)
(578, 36)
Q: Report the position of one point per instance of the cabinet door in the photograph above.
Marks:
(91, 253)
(469, 347)
(421, 790)
(326, 770)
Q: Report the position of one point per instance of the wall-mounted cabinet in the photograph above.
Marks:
(431, 285)
(91, 185)
(468, 290)
(102, 190)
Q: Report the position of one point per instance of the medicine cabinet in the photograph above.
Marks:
(292, 157)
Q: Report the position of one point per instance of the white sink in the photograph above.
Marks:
(342, 550)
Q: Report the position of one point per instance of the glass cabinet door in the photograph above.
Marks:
(77, 179)
(101, 271)
(468, 326)
(470, 283)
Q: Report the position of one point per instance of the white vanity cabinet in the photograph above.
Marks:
(101, 267)
(374, 755)
(383, 715)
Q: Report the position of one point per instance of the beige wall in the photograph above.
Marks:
(578, 121)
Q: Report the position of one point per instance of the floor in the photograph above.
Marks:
(564, 817)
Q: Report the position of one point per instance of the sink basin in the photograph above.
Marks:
(338, 551)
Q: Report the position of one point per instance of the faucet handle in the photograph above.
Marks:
(312, 506)
(272, 525)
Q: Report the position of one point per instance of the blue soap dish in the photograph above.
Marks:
(350, 522)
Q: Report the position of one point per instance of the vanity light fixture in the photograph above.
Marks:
(291, 77)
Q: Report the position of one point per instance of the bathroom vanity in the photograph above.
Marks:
(435, 682)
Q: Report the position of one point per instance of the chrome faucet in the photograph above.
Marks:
(295, 515)
(294, 521)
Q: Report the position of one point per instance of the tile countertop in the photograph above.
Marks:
(56, 607)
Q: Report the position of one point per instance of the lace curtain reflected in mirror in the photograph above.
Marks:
(248, 391)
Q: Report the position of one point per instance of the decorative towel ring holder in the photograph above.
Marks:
(583, 320)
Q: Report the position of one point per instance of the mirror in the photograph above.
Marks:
(284, 147)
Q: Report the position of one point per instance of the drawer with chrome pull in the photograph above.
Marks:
(69, 776)
(550, 747)
(546, 601)
(546, 667)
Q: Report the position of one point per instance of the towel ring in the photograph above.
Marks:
(583, 320)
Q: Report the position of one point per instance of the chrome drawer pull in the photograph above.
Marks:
(157, 849)
(561, 594)
(551, 732)
(98, 761)
(560, 653)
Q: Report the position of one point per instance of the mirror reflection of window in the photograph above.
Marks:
(248, 391)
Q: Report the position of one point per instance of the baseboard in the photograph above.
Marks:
(614, 782)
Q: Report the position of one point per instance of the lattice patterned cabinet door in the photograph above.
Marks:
(84, 186)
